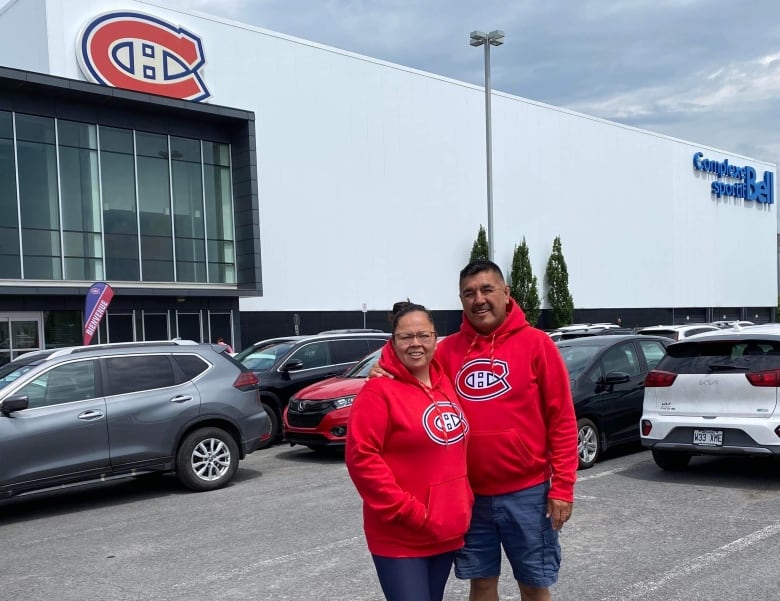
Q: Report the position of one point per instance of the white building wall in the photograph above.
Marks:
(372, 182)
(23, 33)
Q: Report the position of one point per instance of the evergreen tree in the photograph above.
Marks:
(558, 295)
(480, 248)
(522, 284)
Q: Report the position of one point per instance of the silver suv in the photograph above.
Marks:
(82, 414)
(714, 394)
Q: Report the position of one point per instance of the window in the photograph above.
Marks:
(128, 374)
(38, 197)
(81, 240)
(62, 328)
(220, 325)
(120, 327)
(348, 351)
(154, 206)
(84, 202)
(10, 261)
(219, 213)
(120, 215)
(188, 326)
(621, 358)
(189, 223)
(653, 351)
(191, 365)
(722, 356)
(316, 354)
(62, 384)
(155, 326)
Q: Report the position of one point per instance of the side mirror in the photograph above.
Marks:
(14, 403)
(616, 377)
(292, 365)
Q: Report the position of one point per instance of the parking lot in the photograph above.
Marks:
(289, 529)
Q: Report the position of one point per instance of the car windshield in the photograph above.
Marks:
(263, 357)
(578, 358)
(12, 371)
(364, 366)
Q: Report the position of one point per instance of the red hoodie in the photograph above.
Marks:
(406, 454)
(514, 389)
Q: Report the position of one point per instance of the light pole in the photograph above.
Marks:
(494, 38)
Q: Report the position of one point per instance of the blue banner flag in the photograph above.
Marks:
(98, 297)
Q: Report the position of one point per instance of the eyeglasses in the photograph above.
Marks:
(408, 337)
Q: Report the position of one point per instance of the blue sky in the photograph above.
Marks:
(707, 71)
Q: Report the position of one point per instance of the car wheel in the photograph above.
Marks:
(275, 432)
(207, 459)
(588, 443)
(671, 461)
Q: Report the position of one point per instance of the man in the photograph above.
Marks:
(522, 456)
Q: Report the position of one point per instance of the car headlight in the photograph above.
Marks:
(344, 401)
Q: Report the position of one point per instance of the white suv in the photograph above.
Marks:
(714, 394)
(679, 332)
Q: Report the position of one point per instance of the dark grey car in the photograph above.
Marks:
(81, 414)
(288, 364)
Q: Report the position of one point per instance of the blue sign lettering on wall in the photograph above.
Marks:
(746, 184)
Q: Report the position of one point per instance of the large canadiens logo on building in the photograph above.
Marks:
(444, 422)
(143, 53)
(483, 380)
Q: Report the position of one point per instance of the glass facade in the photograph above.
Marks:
(85, 202)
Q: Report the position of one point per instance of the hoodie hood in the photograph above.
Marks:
(390, 362)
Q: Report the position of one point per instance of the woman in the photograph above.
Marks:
(406, 454)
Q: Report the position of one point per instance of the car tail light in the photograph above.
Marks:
(246, 380)
(659, 379)
(647, 425)
(764, 378)
(777, 431)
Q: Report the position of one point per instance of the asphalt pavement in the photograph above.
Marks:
(289, 529)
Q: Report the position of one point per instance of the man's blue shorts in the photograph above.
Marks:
(517, 521)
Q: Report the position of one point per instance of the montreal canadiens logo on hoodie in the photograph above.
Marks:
(444, 422)
(481, 380)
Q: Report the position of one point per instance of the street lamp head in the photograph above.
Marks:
(496, 38)
(478, 38)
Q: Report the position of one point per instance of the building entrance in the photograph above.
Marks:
(19, 333)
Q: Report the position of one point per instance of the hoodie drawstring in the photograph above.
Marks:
(492, 349)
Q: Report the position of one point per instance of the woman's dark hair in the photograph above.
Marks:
(405, 310)
(400, 305)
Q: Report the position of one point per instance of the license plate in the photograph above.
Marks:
(709, 438)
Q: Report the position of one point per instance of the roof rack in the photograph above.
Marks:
(353, 331)
(69, 350)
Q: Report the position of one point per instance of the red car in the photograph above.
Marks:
(317, 415)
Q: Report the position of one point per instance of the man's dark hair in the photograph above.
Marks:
(478, 266)
(409, 308)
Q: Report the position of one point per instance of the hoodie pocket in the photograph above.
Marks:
(449, 508)
(500, 457)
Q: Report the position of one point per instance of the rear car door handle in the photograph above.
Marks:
(181, 399)
(91, 414)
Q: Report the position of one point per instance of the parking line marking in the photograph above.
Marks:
(605, 473)
(273, 561)
(347, 542)
(643, 589)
